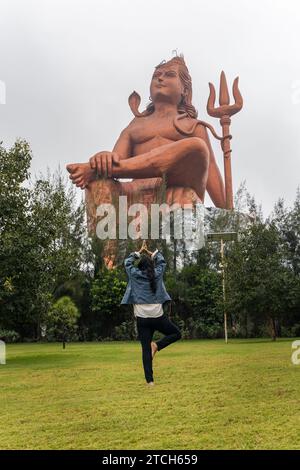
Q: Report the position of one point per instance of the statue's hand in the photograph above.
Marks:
(102, 162)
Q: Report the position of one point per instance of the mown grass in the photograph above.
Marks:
(208, 395)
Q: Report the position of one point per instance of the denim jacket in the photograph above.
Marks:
(138, 289)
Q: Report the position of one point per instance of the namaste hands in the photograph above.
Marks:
(145, 249)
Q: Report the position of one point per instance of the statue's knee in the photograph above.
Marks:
(199, 145)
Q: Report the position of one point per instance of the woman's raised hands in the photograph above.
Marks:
(145, 248)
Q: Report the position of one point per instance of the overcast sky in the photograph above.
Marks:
(69, 66)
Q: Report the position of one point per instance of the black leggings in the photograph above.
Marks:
(146, 328)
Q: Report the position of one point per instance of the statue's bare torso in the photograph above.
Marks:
(147, 133)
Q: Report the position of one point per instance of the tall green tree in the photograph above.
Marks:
(18, 261)
(257, 280)
(107, 291)
(44, 243)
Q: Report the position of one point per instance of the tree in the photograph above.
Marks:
(258, 282)
(59, 237)
(197, 297)
(61, 320)
(291, 235)
(287, 222)
(106, 294)
(43, 241)
(18, 261)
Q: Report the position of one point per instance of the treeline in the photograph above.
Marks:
(54, 286)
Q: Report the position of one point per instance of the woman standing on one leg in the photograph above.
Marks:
(147, 292)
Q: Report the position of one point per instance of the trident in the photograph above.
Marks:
(223, 112)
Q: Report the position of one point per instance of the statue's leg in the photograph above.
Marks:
(150, 191)
(184, 163)
(99, 192)
(107, 191)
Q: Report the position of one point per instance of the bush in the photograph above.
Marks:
(125, 331)
(291, 331)
(9, 336)
(198, 329)
(62, 321)
(296, 330)
(107, 291)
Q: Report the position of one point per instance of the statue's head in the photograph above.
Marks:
(171, 81)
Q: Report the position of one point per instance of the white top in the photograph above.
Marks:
(148, 310)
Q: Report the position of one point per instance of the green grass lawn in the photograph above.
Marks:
(208, 395)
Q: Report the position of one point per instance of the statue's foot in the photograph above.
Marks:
(81, 174)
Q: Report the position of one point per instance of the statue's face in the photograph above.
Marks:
(166, 84)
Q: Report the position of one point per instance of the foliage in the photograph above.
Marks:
(258, 282)
(43, 241)
(9, 336)
(197, 298)
(46, 254)
(61, 320)
(107, 291)
(18, 251)
(126, 330)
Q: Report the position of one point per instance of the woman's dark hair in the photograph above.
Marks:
(147, 264)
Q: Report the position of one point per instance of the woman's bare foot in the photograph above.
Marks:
(81, 174)
(153, 348)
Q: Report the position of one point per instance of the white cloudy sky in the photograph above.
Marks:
(69, 66)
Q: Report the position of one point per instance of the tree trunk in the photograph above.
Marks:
(273, 328)
(175, 256)
(246, 325)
